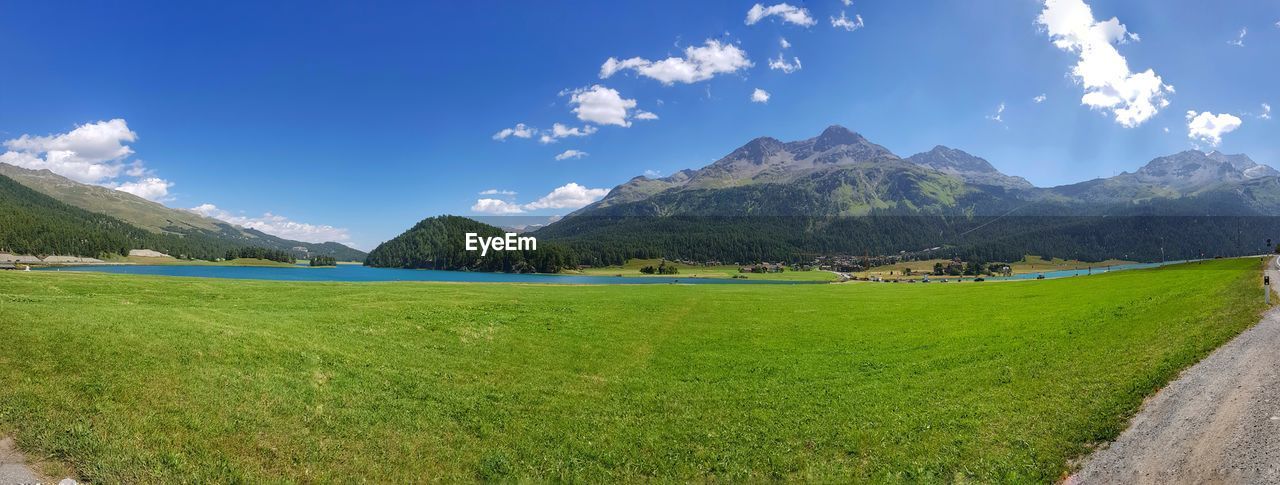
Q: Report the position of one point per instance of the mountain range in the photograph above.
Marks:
(839, 192)
(180, 231)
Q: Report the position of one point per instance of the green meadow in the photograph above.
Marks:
(151, 379)
(632, 269)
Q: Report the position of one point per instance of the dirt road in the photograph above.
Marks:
(1219, 422)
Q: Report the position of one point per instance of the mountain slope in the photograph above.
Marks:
(159, 219)
(968, 167)
(34, 223)
(838, 193)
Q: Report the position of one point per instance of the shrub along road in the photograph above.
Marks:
(1217, 423)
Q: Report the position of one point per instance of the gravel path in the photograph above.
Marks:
(13, 465)
(1219, 422)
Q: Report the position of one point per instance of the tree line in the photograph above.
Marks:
(439, 243)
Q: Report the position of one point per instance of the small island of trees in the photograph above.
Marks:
(323, 261)
(663, 268)
(261, 253)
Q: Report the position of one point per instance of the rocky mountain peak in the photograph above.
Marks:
(968, 167)
(1192, 168)
(836, 135)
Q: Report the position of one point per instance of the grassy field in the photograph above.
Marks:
(632, 268)
(1029, 264)
(153, 379)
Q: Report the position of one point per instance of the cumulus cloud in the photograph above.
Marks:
(519, 131)
(567, 196)
(998, 117)
(1039, 99)
(782, 41)
(699, 63)
(653, 174)
(846, 23)
(1209, 128)
(150, 188)
(601, 105)
(847, 3)
(759, 96)
(567, 154)
(277, 225)
(781, 64)
(498, 192)
(1108, 83)
(92, 153)
(1266, 112)
(785, 11)
(1239, 40)
(559, 131)
(645, 115)
(496, 206)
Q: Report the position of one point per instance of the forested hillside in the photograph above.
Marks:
(198, 231)
(438, 243)
(34, 223)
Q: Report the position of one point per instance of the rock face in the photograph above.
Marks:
(70, 260)
(1194, 169)
(971, 169)
(18, 258)
(147, 253)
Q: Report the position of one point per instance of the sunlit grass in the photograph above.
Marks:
(157, 379)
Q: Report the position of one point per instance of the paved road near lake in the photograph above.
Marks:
(1219, 422)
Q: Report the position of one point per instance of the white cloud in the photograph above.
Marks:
(785, 66)
(999, 116)
(846, 23)
(559, 131)
(520, 131)
(92, 153)
(1209, 128)
(1239, 40)
(787, 12)
(568, 196)
(760, 96)
(847, 3)
(1266, 112)
(279, 226)
(602, 106)
(150, 188)
(699, 63)
(498, 192)
(1108, 83)
(782, 41)
(653, 174)
(1039, 99)
(567, 154)
(495, 206)
(645, 115)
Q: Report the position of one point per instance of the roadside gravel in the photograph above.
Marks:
(1219, 422)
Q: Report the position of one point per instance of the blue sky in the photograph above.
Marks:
(341, 120)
